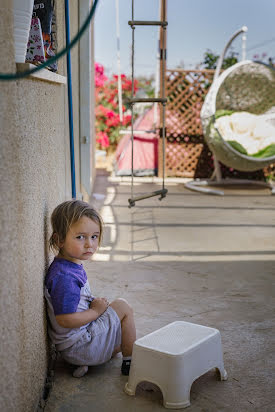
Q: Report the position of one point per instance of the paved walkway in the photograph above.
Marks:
(204, 259)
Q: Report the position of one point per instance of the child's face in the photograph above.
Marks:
(81, 241)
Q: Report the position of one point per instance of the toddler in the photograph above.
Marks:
(85, 330)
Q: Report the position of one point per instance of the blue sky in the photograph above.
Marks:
(193, 27)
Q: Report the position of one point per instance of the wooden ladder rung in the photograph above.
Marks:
(146, 100)
(147, 23)
(162, 193)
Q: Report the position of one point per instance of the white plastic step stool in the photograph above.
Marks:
(173, 357)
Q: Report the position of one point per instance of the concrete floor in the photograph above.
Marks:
(205, 259)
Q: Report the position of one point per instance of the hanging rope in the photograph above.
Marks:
(161, 100)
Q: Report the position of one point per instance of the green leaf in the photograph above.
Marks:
(268, 151)
(237, 146)
(220, 113)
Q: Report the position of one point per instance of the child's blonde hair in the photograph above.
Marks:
(68, 213)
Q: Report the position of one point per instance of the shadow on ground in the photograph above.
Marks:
(203, 259)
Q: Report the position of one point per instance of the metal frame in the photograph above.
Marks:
(200, 185)
(162, 23)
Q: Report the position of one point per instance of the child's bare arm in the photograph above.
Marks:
(77, 319)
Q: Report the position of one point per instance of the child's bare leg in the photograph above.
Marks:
(116, 351)
(128, 329)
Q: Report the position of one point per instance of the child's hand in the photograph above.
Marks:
(99, 305)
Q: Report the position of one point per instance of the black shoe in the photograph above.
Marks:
(125, 367)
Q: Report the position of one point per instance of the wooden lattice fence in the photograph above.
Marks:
(187, 155)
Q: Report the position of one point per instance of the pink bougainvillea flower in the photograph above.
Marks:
(110, 114)
(99, 82)
(126, 120)
(103, 139)
(99, 68)
(100, 78)
(107, 122)
(113, 122)
(114, 104)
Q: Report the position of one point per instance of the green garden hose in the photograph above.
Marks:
(21, 75)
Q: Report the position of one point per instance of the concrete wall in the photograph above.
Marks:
(35, 177)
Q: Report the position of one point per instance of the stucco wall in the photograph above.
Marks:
(35, 177)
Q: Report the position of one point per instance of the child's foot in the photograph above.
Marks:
(125, 367)
(80, 371)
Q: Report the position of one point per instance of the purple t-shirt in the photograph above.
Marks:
(64, 281)
(67, 290)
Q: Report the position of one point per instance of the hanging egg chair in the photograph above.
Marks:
(245, 92)
(238, 121)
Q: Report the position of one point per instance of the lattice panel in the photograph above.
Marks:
(181, 158)
(186, 153)
(185, 91)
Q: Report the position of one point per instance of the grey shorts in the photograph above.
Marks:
(98, 342)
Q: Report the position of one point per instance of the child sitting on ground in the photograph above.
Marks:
(85, 330)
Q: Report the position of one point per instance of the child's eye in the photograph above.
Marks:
(80, 237)
(94, 236)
